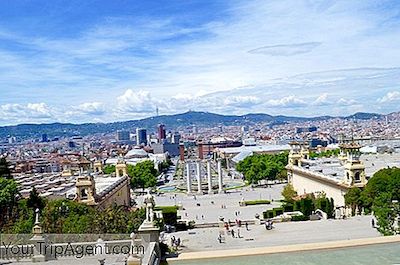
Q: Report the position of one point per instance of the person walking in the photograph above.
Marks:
(247, 226)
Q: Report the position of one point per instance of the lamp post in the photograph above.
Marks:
(396, 209)
(63, 210)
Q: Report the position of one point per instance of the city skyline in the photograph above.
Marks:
(97, 61)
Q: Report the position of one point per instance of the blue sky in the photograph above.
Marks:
(91, 61)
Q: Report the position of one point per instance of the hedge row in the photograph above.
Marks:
(256, 202)
(273, 212)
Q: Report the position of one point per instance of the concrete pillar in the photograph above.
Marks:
(199, 191)
(219, 169)
(188, 179)
(209, 177)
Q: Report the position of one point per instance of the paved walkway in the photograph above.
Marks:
(285, 249)
(289, 233)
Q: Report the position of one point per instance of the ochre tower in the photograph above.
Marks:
(98, 167)
(294, 154)
(86, 190)
(121, 168)
(354, 167)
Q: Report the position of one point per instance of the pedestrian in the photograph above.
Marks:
(219, 238)
(233, 233)
(247, 226)
(373, 223)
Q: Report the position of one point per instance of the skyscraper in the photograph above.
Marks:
(161, 132)
(176, 138)
(123, 136)
(44, 138)
(141, 136)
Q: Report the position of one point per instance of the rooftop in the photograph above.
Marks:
(332, 169)
(255, 149)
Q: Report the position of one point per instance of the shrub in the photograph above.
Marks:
(170, 214)
(268, 214)
(287, 207)
(297, 218)
(257, 202)
(278, 211)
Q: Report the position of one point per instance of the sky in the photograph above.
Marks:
(101, 61)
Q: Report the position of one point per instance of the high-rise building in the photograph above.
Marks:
(176, 138)
(161, 135)
(141, 136)
(44, 138)
(123, 136)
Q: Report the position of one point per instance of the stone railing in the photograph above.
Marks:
(16, 252)
(152, 255)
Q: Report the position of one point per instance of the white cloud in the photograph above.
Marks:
(322, 100)
(286, 49)
(92, 108)
(346, 102)
(241, 101)
(392, 96)
(287, 102)
(25, 113)
(136, 102)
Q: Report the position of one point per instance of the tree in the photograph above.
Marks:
(109, 169)
(380, 195)
(327, 153)
(35, 201)
(289, 193)
(385, 214)
(143, 175)
(78, 219)
(5, 171)
(353, 198)
(266, 166)
(8, 199)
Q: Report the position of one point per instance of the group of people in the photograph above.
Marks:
(268, 224)
(175, 242)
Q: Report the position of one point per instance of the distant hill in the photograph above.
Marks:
(26, 131)
(365, 116)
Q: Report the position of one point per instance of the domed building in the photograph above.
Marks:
(136, 153)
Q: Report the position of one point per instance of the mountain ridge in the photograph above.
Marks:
(27, 130)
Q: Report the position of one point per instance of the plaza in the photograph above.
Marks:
(210, 205)
(283, 234)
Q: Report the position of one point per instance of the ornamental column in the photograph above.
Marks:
(219, 169)
(209, 177)
(199, 191)
(188, 179)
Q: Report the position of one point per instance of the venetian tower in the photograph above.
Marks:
(121, 168)
(294, 154)
(86, 190)
(354, 167)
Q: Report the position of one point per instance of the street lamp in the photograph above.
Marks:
(63, 209)
(396, 208)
